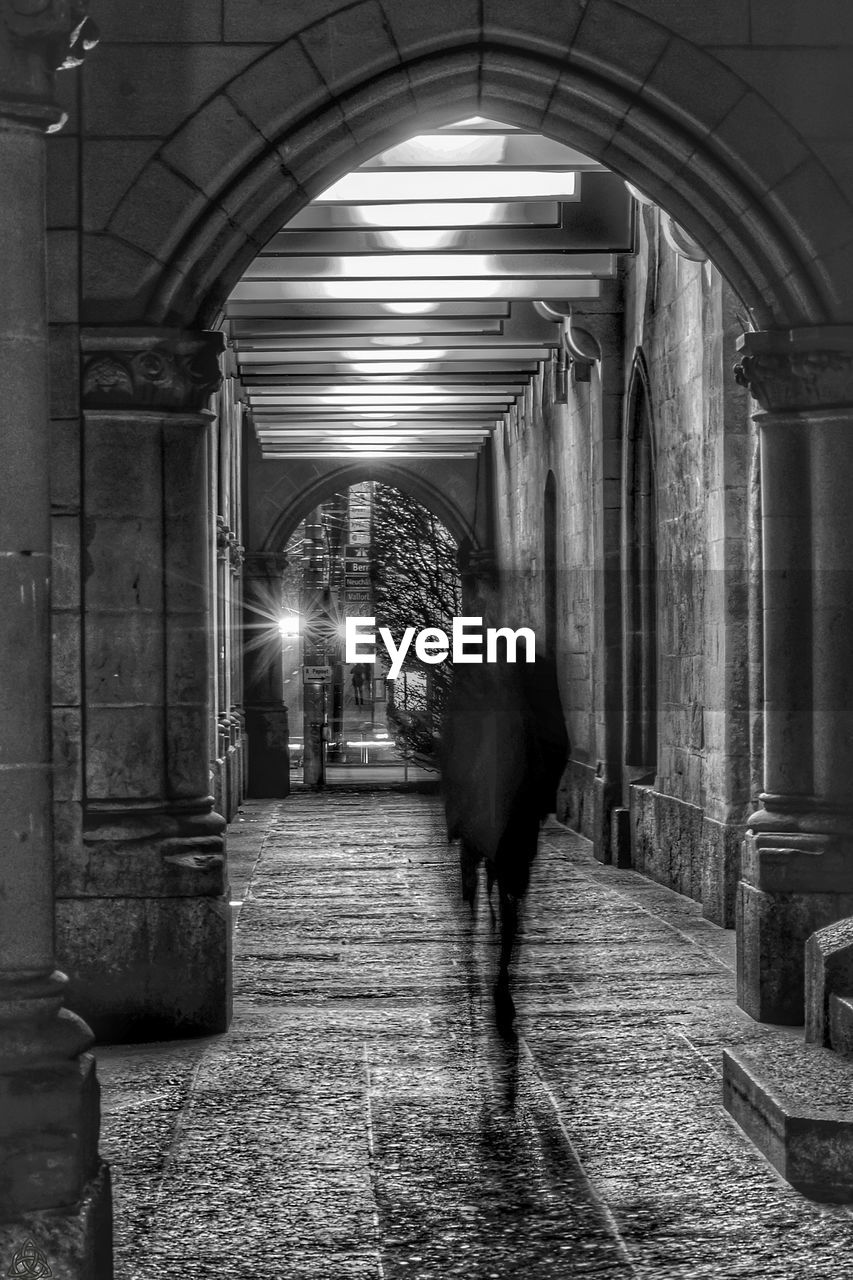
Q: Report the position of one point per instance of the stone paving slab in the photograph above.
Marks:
(362, 1118)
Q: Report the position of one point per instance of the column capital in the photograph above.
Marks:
(168, 369)
(797, 370)
(37, 38)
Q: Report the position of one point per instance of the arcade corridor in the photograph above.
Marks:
(355, 1121)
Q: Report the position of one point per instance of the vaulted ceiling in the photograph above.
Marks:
(395, 314)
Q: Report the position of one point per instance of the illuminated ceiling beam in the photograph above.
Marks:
(259, 333)
(287, 452)
(456, 363)
(367, 308)
(448, 184)
(418, 240)
(495, 147)
(269, 361)
(343, 374)
(380, 346)
(414, 289)
(468, 417)
(602, 220)
(425, 214)
(396, 267)
(388, 392)
(313, 433)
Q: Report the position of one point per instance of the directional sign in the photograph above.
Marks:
(316, 675)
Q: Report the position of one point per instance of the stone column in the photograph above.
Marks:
(797, 873)
(144, 924)
(54, 1191)
(266, 714)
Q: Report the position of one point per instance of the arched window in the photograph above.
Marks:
(550, 562)
(639, 561)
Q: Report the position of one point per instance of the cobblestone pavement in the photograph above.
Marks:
(361, 1118)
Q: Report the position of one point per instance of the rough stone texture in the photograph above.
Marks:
(666, 840)
(828, 973)
(71, 1244)
(796, 1103)
(147, 968)
(361, 1112)
(772, 932)
(841, 1025)
(720, 861)
(575, 801)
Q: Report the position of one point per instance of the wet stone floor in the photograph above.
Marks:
(362, 1118)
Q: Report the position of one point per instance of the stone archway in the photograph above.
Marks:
(461, 524)
(660, 111)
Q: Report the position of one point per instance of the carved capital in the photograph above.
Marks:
(798, 369)
(223, 538)
(38, 37)
(169, 369)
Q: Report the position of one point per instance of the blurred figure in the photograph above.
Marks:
(357, 675)
(504, 749)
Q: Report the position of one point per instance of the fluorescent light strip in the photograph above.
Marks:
(256, 360)
(320, 433)
(375, 186)
(365, 453)
(401, 266)
(256, 291)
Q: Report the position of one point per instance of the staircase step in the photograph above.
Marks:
(795, 1101)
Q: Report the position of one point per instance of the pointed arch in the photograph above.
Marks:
(343, 477)
(670, 127)
(639, 575)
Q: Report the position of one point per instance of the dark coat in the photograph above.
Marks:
(504, 749)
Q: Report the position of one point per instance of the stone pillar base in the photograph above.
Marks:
(269, 756)
(772, 929)
(74, 1243)
(797, 878)
(143, 923)
(147, 968)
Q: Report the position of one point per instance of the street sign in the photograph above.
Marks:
(316, 675)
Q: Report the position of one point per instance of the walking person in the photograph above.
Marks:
(357, 676)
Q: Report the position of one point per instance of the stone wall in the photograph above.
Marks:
(684, 821)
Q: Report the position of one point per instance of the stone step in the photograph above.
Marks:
(795, 1101)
